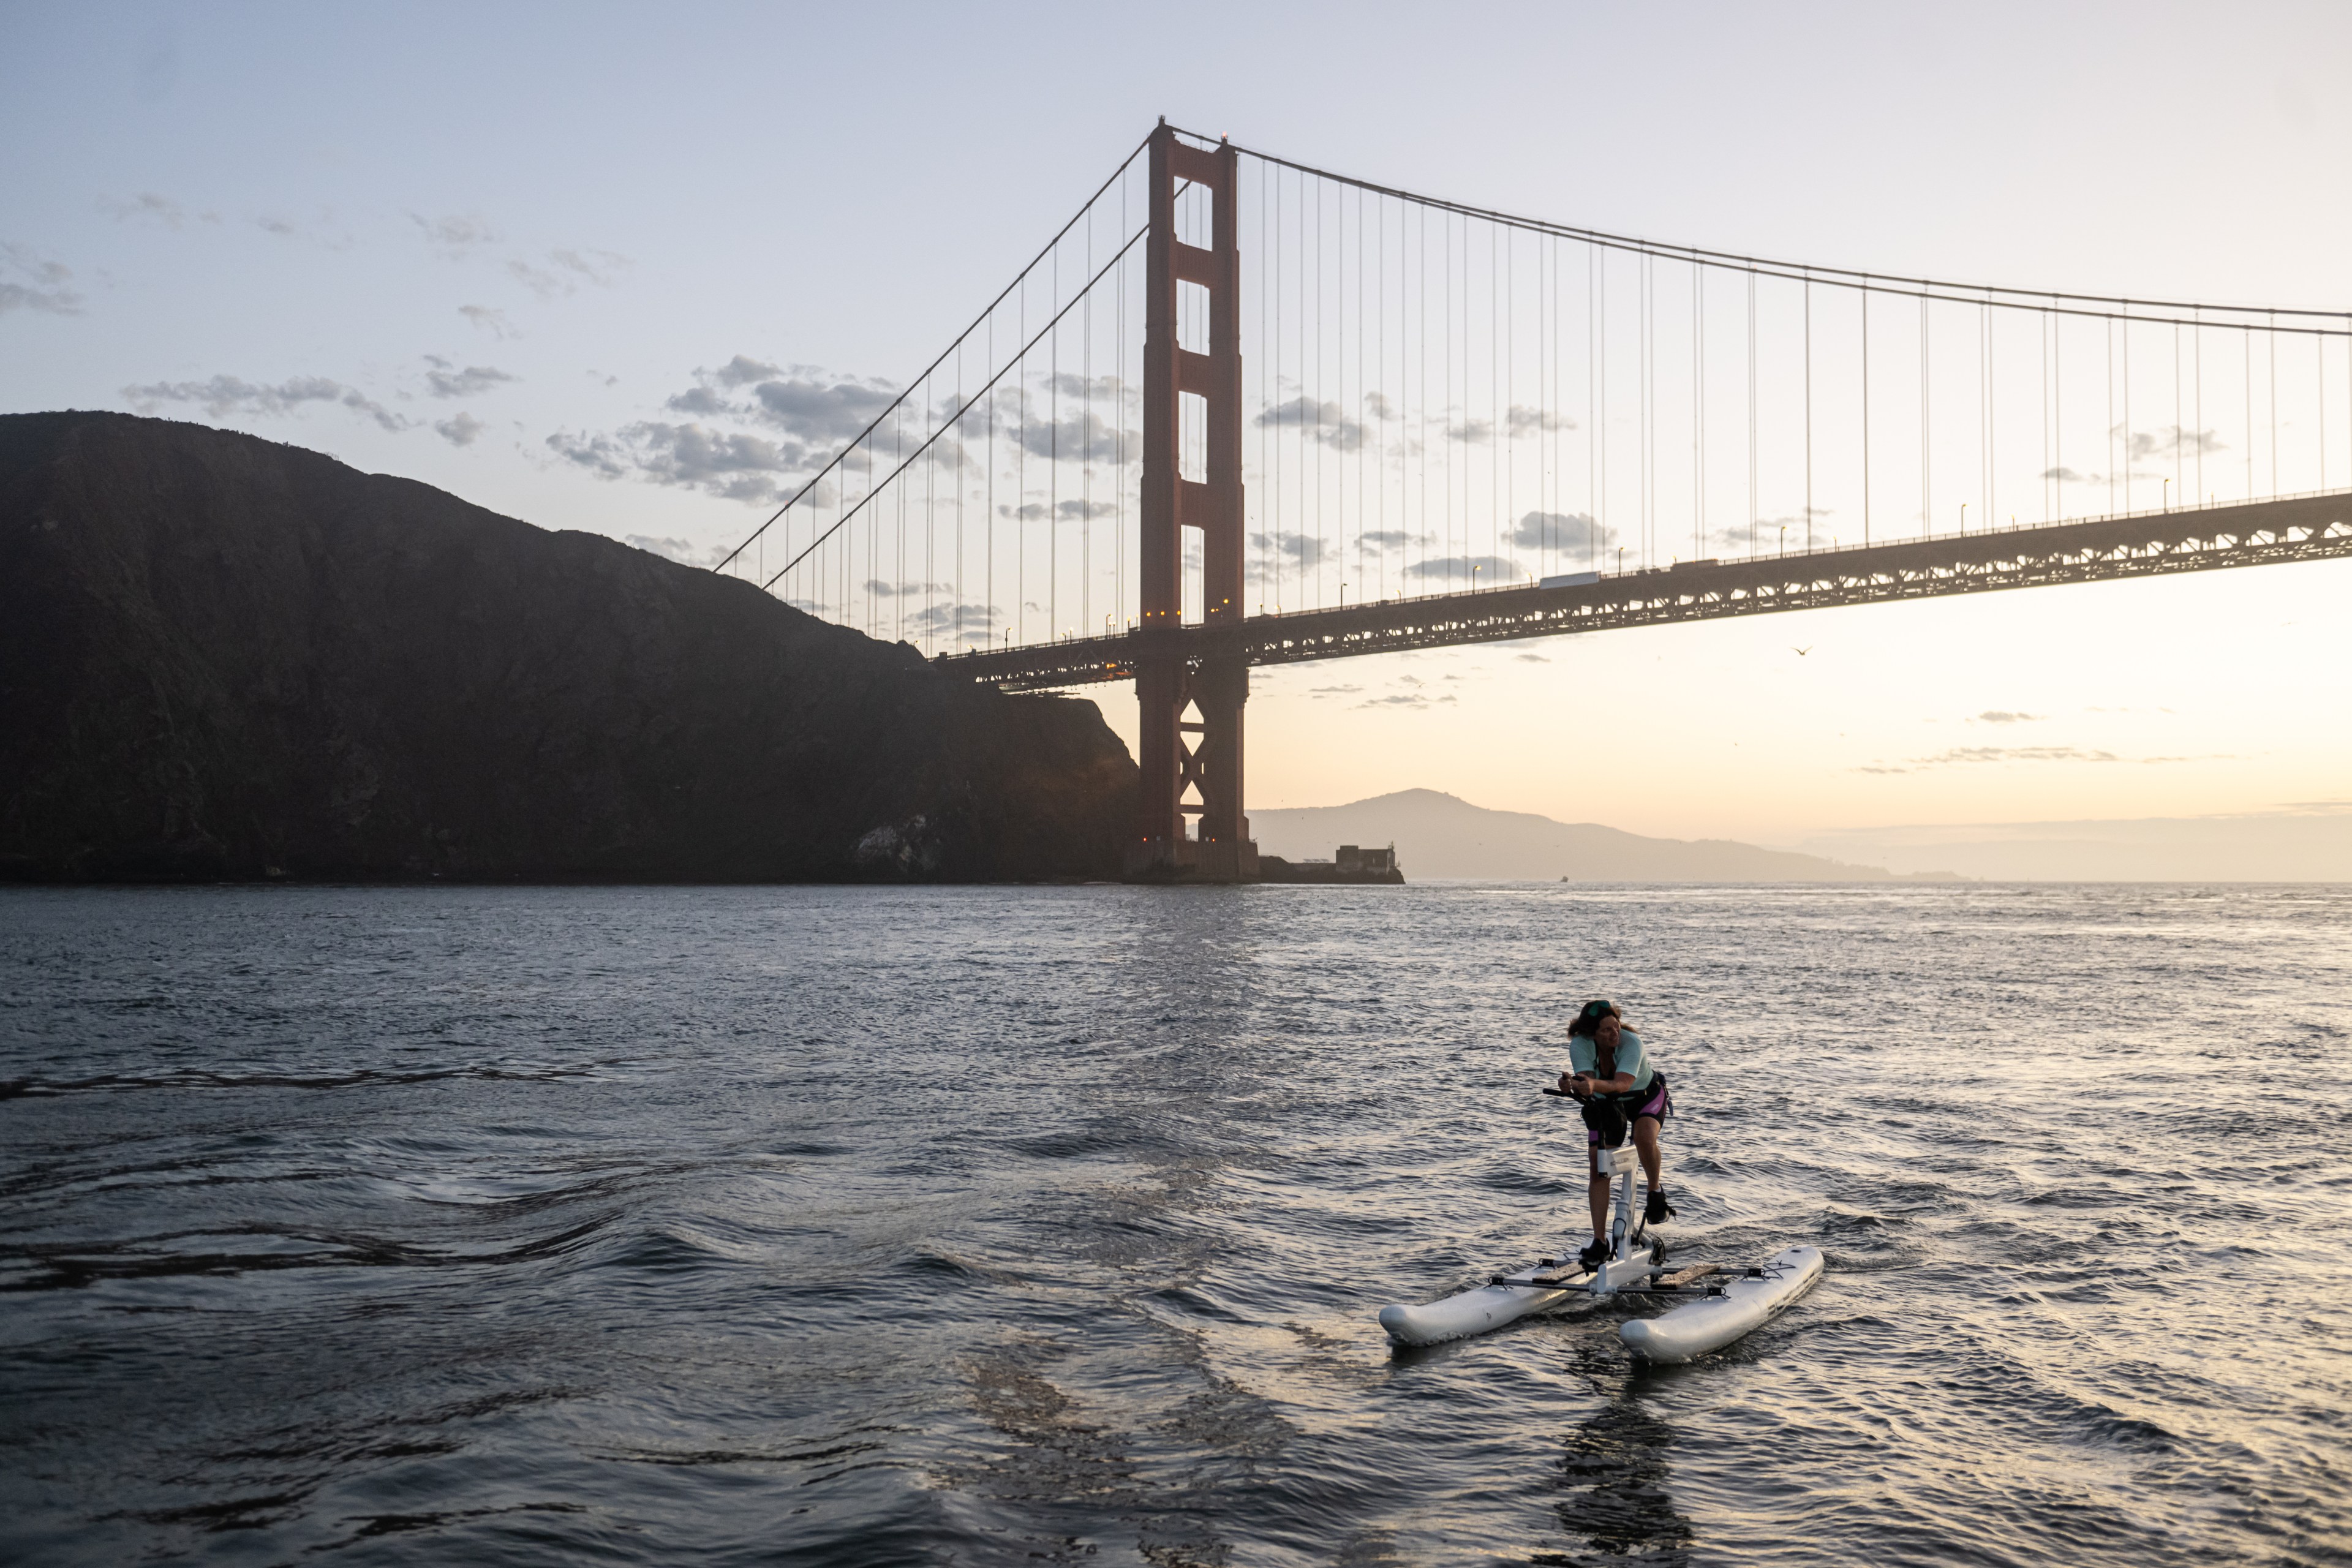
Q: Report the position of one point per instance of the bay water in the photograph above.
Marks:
(842, 1225)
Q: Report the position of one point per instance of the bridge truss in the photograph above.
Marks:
(2303, 528)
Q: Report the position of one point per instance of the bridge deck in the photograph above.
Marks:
(2301, 528)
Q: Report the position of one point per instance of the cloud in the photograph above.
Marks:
(1405, 700)
(685, 552)
(1378, 405)
(149, 207)
(700, 401)
(743, 371)
(1563, 531)
(1073, 385)
(1299, 549)
(1078, 437)
(2145, 446)
(1531, 659)
(1459, 568)
(725, 463)
(874, 586)
(1326, 423)
(2018, 754)
(2166, 440)
(811, 404)
(601, 455)
(971, 621)
(601, 267)
(1524, 421)
(455, 236)
(459, 430)
(44, 285)
(808, 414)
(1319, 692)
(486, 320)
(326, 232)
(540, 281)
(830, 410)
(1067, 512)
(1392, 538)
(446, 382)
(1471, 432)
(228, 394)
(1962, 755)
(731, 463)
(2002, 716)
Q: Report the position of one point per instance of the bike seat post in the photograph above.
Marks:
(1619, 1164)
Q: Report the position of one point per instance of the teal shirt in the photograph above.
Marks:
(1582, 1053)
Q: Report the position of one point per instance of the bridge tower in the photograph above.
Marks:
(1181, 755)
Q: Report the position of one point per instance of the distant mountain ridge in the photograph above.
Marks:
(1443, 836)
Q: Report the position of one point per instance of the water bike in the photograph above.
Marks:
(1714, 1305)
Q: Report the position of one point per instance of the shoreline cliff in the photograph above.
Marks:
(225, 659)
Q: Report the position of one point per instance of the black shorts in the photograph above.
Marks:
(1616, 1113)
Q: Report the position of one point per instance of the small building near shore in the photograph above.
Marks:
(1354, 863)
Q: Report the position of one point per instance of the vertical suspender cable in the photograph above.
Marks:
(988, 586)
(2049, 463)
(1021, 475)
(1993, 409)
(1808, 413)
(1053, 460)
(963, 431)
(1119, 417)
(1927, 430)
(1086, 448)
(2176, 411)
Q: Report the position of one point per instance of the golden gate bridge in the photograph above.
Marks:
(1242, 411)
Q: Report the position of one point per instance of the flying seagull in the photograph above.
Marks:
(1801, 652)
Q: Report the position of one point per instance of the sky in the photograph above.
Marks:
(465, 244)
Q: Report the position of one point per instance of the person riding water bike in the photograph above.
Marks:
(1610, 1074)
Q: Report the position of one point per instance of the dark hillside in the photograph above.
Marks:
(223, 658)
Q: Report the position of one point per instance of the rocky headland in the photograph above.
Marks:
(222, 658)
